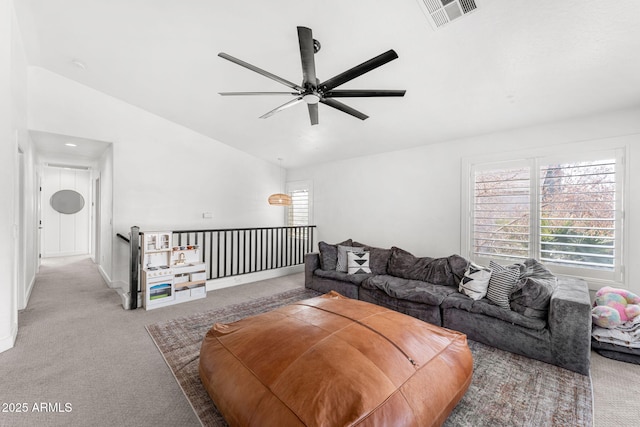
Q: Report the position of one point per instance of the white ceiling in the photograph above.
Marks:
(55, 146)
(511, 63)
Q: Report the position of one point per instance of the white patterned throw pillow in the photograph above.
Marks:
(502, 281)
(475, 282)
(358, 262)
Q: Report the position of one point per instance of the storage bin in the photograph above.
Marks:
(200, 291)
(183, 294)
(195, 277)
(180, 278)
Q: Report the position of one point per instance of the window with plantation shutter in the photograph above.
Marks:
(565, 211)
(502, 223)
(299, 209)
(299, 213)
(578, 214)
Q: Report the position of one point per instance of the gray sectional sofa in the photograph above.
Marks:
(547, 320)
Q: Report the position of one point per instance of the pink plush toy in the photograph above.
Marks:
(613, 307)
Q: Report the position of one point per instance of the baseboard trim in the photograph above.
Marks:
(9, 341)
(105, 276)
(29, 289)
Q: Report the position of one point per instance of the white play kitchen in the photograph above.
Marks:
(170, 274)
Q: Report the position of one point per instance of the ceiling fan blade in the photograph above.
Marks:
(282, 107)
(257, 93)
(356, 93)
(305, 39)
(313, 113)
(344, 108)
(358, 70)
(260, 71)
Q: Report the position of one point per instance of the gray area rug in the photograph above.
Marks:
(507, 389)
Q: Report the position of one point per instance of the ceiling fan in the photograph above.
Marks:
(312, 91)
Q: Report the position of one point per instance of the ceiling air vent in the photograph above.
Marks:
(441, 12)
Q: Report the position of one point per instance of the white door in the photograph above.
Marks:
(39, 215)
(65, 234)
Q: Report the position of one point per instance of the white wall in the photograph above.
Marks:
(26, 262)
(13, 135)
(165, 176)
(105, 169)
(412, 198)
(8, 324)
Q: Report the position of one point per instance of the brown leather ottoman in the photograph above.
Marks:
(334, 361)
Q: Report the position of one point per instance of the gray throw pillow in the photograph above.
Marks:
(531, 295)
(439, 271)
(329, 254)
(342, 264)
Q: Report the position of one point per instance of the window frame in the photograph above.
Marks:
(293, 186)
(535, 160)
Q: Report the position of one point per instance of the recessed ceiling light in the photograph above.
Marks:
(68, 144)
(79, 64)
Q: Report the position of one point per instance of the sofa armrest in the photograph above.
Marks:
(570, 324)
(311, 263)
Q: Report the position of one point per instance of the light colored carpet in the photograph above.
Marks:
(616, 392)
(77, 345)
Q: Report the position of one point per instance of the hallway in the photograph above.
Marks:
(89, 361)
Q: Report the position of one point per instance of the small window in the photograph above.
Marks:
(299, 212)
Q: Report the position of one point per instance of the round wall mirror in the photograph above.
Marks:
(67, 201)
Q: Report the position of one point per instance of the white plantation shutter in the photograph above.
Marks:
(578, 214)
(299, 209)
(564, 211)
(299, 213)
(501, 225)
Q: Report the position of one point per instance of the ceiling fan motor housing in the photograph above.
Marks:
(312, 91)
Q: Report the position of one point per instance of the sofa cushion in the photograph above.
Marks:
(475, 282)
(407, 289)
(378, 258)
(439, 271)
(341, 264)
(356, 279)
(502, 281)
(329, 254)
(531, 295)
(484, 306)
(358, 262)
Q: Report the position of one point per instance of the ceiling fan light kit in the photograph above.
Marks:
(312, 91)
